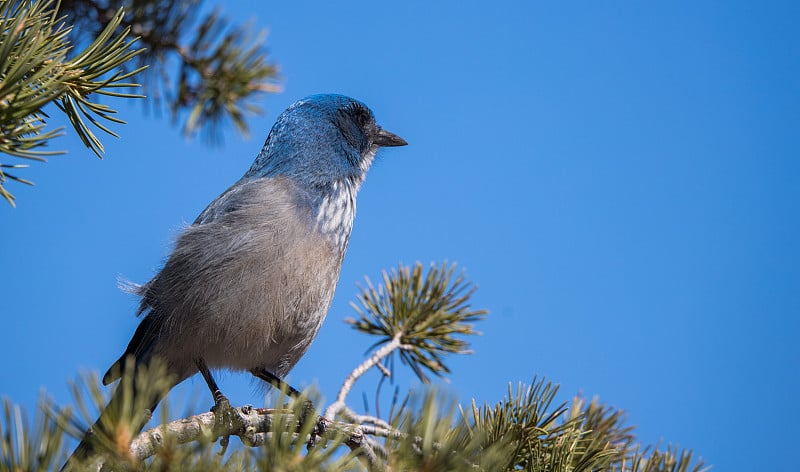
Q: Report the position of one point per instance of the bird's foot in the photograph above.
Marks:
(220, 402)
(319, 429)
(309, 413)
(224, 418)
(223, 445)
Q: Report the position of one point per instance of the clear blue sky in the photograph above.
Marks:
(621, 180)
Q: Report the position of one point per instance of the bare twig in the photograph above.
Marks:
(385, 370)
(373, 360)
(367, 419)
(352, 416)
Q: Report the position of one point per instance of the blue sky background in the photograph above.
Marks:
(620, 179)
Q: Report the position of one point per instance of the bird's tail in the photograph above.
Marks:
(130, 408)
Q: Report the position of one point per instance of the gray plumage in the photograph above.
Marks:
(249, 283)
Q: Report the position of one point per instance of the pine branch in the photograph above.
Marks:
(221, 68)
(426, 434)
(26, 446)
(672, 459)
(373, 361)
(255, 427)
(420, 316)
(526, 430)
(35, 72)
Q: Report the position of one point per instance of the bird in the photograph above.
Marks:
(249, 283)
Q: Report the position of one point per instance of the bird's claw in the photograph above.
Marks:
(223, 415)
(320, 426)
(223, 443)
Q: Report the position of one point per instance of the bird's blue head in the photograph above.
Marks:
(323, 139)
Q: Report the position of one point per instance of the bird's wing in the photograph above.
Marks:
(230, 200)
(171, 289)
(146, 333)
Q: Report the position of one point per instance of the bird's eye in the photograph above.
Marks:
(360, 115)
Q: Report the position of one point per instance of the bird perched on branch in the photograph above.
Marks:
(249, 283)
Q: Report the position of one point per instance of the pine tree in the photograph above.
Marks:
(74, 53)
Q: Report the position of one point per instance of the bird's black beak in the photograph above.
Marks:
(385, 138)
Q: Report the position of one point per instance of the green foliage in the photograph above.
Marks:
(670, 460)
(31, 447)
(424, 314)
(586, 439)
(227, 72)
(206, 67)
(436, 438)
(124, 413)
(527, 430)
(35, 71)
(72, 52)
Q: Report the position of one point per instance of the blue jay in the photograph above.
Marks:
(249, 283)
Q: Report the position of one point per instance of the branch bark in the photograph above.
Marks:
(251, 425)
(254, 427)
